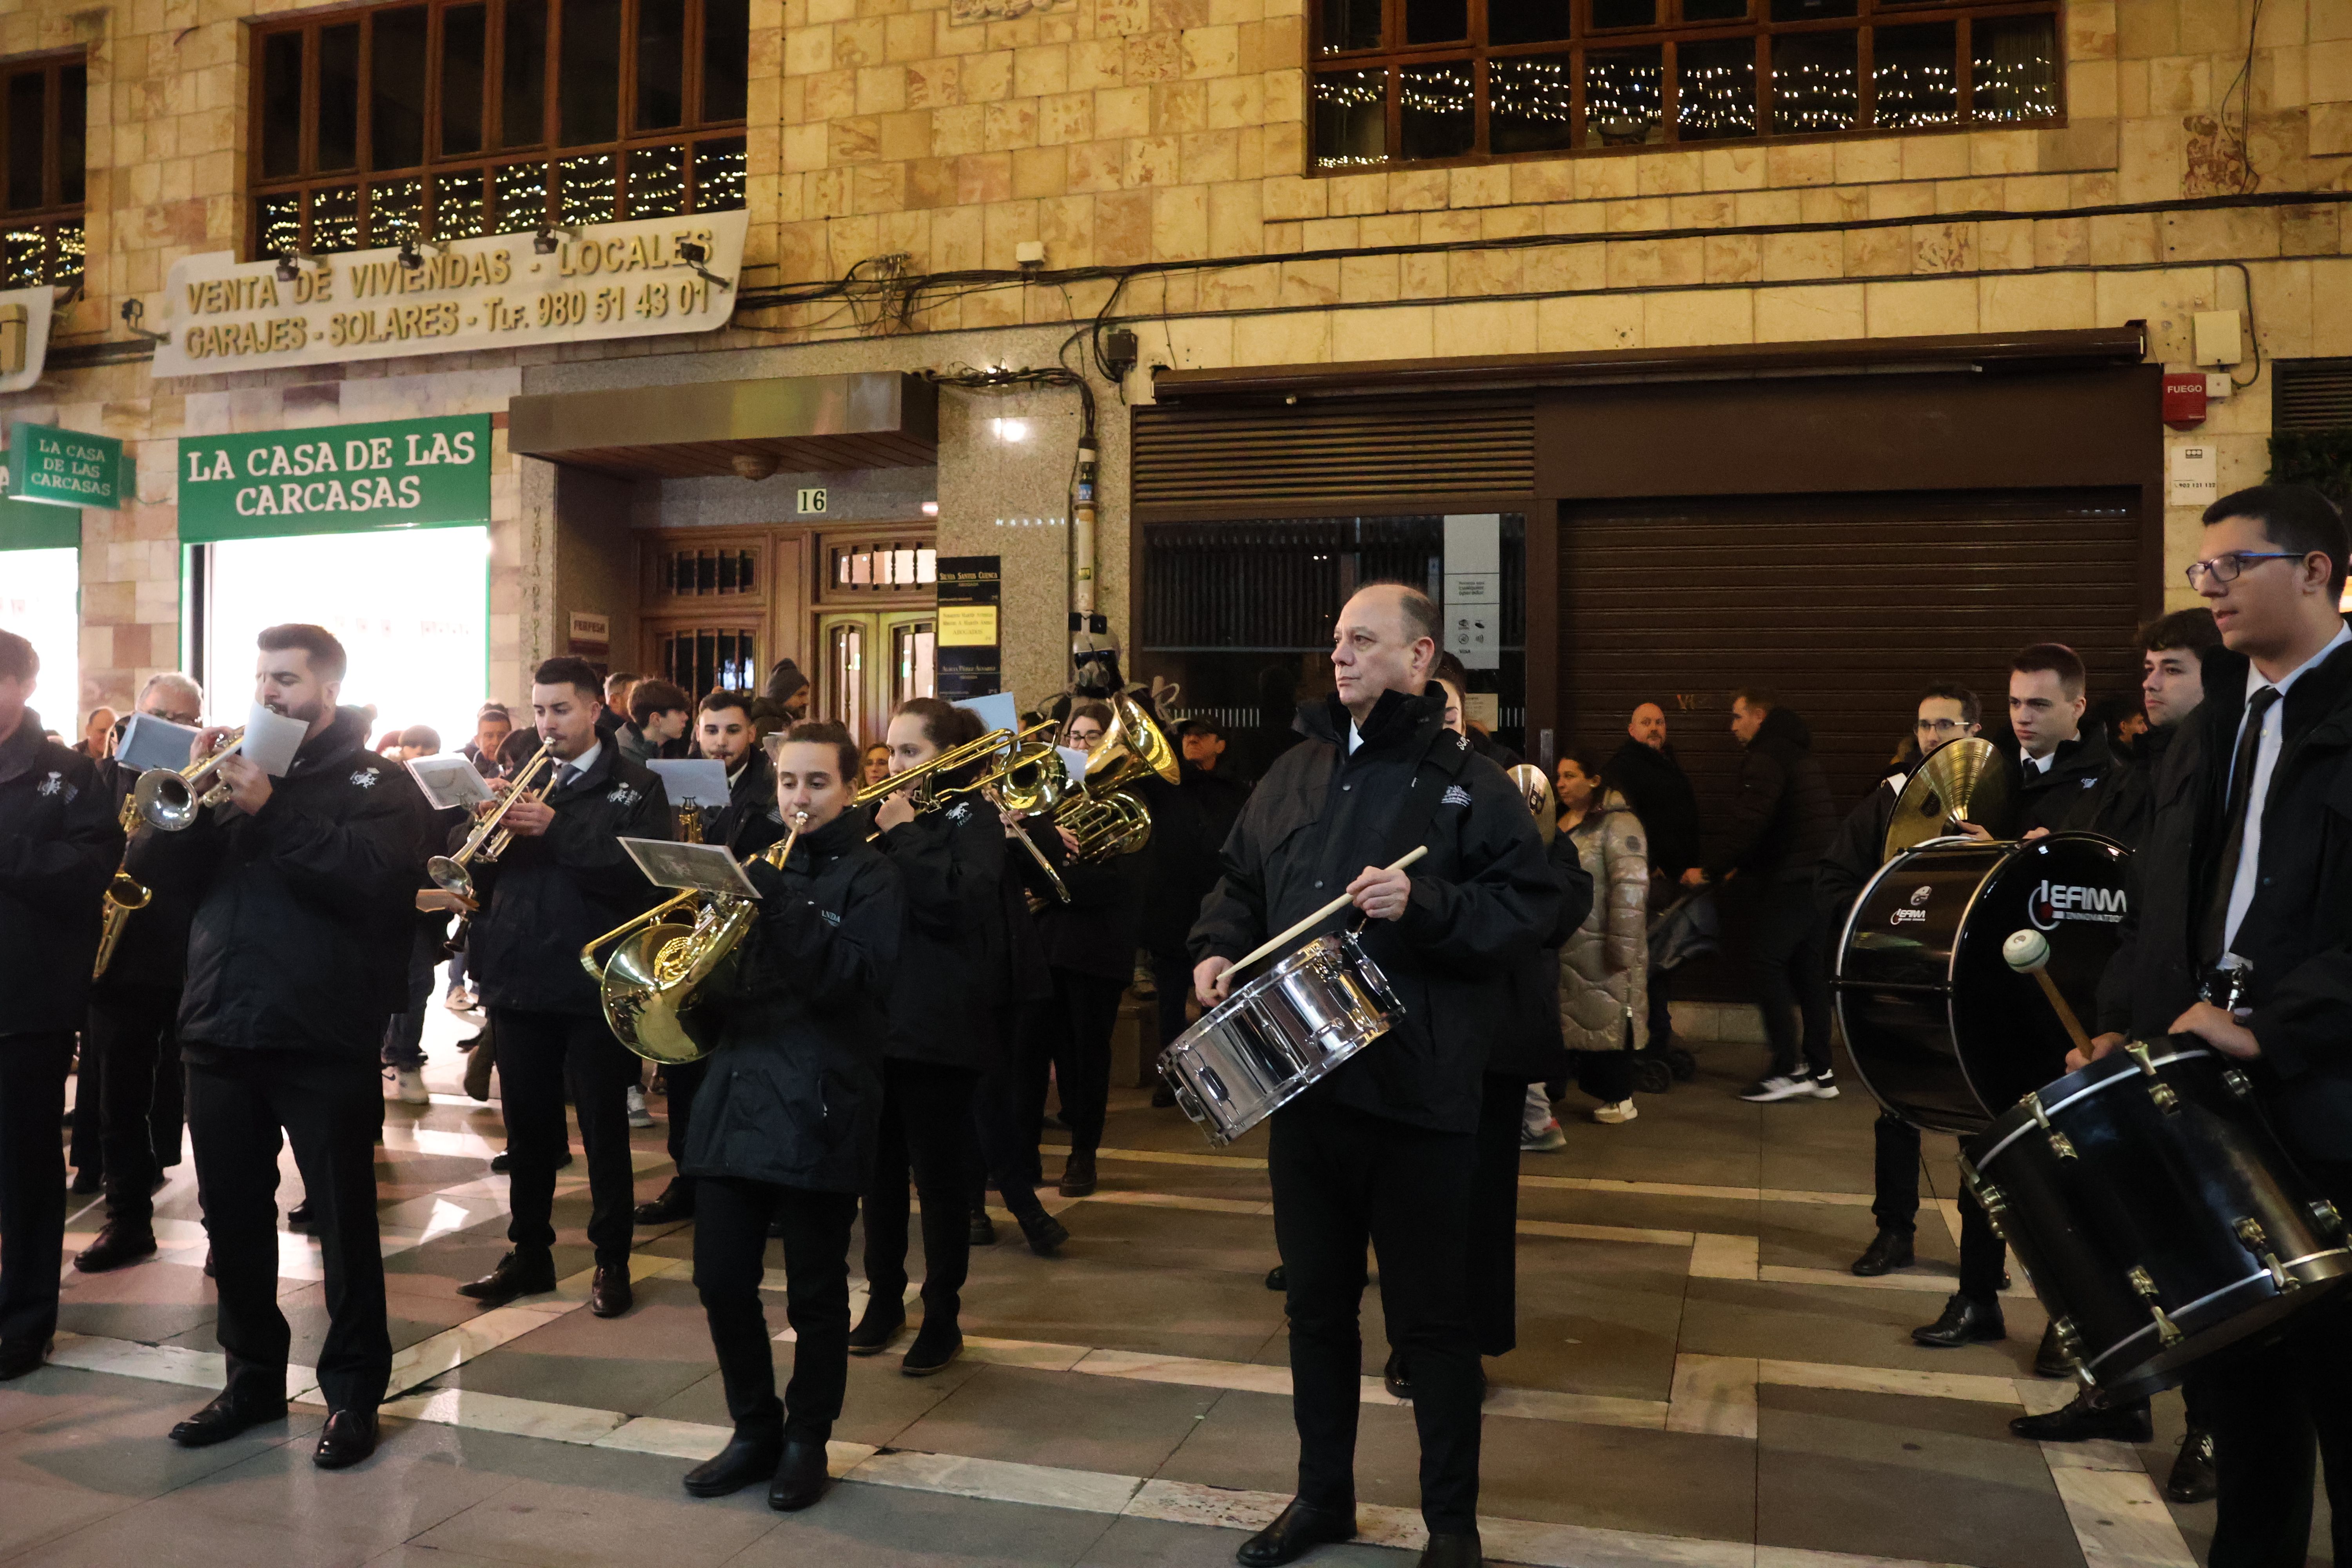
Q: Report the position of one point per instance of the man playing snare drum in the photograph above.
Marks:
(1382, 1149)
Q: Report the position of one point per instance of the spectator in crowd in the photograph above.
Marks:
(96, 734)
(492, 725)
(1604, 966)
(782, 701)
(659, 716)
(617, 687)
(1203, 742)
(873, 765)
(1646, 772)
(403, 1032)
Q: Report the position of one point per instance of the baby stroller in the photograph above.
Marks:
(1686, 929)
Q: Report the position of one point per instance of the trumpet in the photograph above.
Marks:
(489, 839)
(125, 897)
(170, 799)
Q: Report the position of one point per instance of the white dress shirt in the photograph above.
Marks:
(2266, 755)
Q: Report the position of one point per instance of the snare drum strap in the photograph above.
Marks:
(1433, 778)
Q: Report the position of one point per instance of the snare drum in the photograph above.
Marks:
(1279, 1034)
(2159, 1216)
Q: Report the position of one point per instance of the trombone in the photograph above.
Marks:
(488, 840)
(1031, 771)
(170, 799)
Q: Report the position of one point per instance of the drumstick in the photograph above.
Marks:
(2027, 952)
(1275, 944)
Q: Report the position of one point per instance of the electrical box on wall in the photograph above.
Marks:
(2184, 398)
(2220, 338)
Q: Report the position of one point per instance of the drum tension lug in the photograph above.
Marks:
(2060, 1144)
(2069, 1337)
(2329, 1219)
(2236, 1083)
(2166, 1330)
(2257, 1241)
(2158, 1090)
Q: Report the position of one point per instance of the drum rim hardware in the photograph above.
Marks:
(2043, 1110)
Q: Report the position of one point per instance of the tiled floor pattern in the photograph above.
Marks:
(1699, 1382)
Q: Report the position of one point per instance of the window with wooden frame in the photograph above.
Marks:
(44, 145)
(1464, 82)
(458, 118)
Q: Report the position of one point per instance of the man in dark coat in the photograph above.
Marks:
(1651, 778)
(1780, 823)
(1383, 1150)
(304, 890)
(564, 880)
(1190, 821)
(2062, 769)
(2248, 864)
(60, 843)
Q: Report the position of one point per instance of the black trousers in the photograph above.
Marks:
(330, 1110)
(1894, 1203)
(1606, 1076)
(1171, 975)
(730, 1243)
(2275, 1415)
(925, 1130)
(1792, 976)
(33, 1069)
(1070, 1032)
(1495, 1216)
(1342, 1178)
(541, 1056)
(1004, 1116)
(134, 1040)
(683, 1080)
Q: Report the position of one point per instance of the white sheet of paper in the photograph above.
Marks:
(712, 867)
(271, 739)
(448, 781)
(152, 742)
(1074, 761)
(693, 780)
(997, 710)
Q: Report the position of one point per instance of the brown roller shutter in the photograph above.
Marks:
(1366, 454)
(2311, 394)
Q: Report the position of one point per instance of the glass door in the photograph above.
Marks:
(874, 660)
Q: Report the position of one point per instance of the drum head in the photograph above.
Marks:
(2070, 888)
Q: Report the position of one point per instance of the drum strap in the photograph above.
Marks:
(1432, 779)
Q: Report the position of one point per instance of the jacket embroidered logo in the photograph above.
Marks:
(1457, 795)
(622, 794)
(362, 779)
(50, 785)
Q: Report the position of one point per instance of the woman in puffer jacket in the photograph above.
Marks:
(1605, 969)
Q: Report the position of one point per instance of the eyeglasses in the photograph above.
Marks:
(1938, 726)
(2225, 568)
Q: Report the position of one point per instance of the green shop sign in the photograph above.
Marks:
(24, 526)
(336, 479)
(64, 468)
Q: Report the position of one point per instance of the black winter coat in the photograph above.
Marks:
(2068, 797)
(1854, 857)
(304, 912)
(1660, 794)
(2127, 802)
(1529, 1046)
(793, 1094)
(1095, 933)
(1190, 822)
(1482, 899)
(548, 896)
(2297, 934)
(750, 821)
(153, 952)
(1783, 817)
(951, 956)
(60, 844)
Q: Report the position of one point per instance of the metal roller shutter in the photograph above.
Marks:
(1241, 461)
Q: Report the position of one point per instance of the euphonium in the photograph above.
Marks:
(489, 839)
(125, 897)
(1103, 814)
(171, 798)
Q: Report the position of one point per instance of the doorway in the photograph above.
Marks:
(872, 660)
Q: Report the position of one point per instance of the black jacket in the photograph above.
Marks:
(2297, 934)
(1660, 794)
(1527, 1047)
(1783, 818)
(2127, 801)
(1190, 822)
(750, 821)
(2068, 797)
(793, 1094)
(60, 844)
(1095, 933)
(952, 971)
(547, 897)
(153, 952)
(302, 925)
(1854, 857)
(1482, 899)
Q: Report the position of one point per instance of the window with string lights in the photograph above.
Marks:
(1466, 82)
(44, 146)
(460, 118)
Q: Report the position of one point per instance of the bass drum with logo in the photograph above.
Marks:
(1943, 1032)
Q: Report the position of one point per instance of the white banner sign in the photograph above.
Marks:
(608, 280)
(1473, 588)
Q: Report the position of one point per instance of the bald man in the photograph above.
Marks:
(1646, 773)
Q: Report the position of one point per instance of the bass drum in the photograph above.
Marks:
(1942, 1031)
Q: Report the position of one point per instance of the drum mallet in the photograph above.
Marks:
(2027, 952)
(1276, 943)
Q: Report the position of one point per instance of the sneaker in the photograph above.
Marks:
(1615, 1115)
(1545, 1141)
(1824, 1084)
(408, 1086)
(461, 1000)
(638, 1115)
(1765, 1091)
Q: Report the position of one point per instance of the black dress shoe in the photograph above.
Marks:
(932, 1350)
(1277, 1278)
(1044, 1233)
(984, 1230)
(15, 1361)
(1393, 1377)
(1078, 1176)
(1452, 1552)
(502, 1162)
(1162, 1097)
(87, 1179)
(2192, 1473)
(227, 1417)
(2080, 1421)
(878, 1327)
(800, 1477)
(1295, 1533)
(514, 1276)
(117, 1246)
(1889, 1250)
(2052, 1359)
(299, 1216)
(348, 1438)
(675, 1203)
(744, 1462)
(1964, 1322)
(609, 1294)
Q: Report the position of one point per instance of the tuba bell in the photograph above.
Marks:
(1103, 813)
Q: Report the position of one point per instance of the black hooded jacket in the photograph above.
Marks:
(1482, 899)
(793, 1094)
(548, 896)
(2067, 797)
(1660, 794)
(1783, 817)
(304, 912)
(952, 963)
(60, 844)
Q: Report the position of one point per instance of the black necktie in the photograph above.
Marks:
(2233, 842)
(563, 778)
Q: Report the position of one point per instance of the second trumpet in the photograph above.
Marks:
(490, 837)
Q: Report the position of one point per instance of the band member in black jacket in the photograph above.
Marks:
(131, 1038)
(564, 880)
(2064, 769)
(1384, 1148)
(298, 952)
(723, 734)
(785, 1125)
(2248, 864)
(60, 843)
